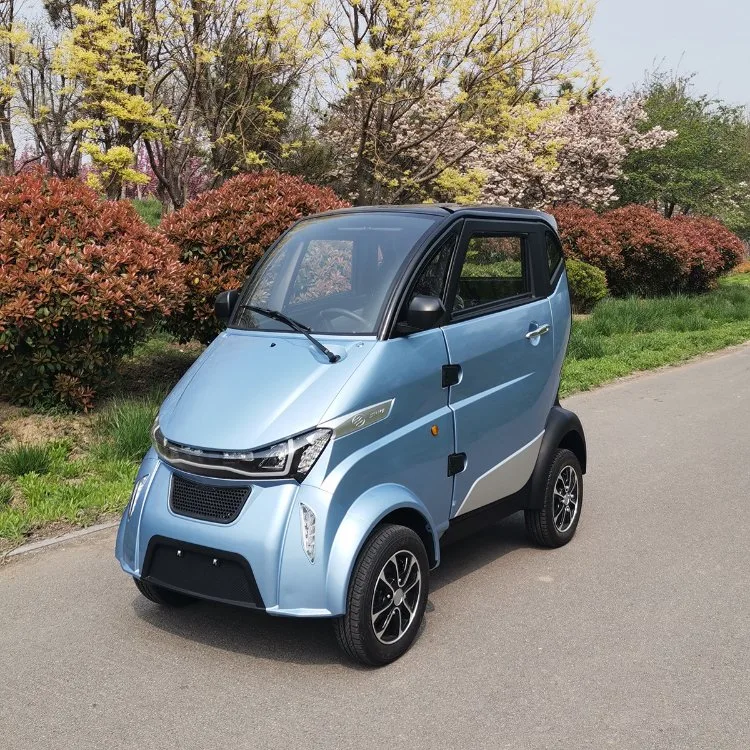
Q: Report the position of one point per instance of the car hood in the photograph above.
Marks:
(252, 388)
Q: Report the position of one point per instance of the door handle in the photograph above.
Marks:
(540, 331)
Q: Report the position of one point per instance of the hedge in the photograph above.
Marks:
(81, 280)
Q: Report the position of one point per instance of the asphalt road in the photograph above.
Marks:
(636, 635)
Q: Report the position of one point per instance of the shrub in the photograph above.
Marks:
(714, 249)
(641, 252)
(587, 283)
(222, 233)
(586, 236)
(25, 458)
(743, 267)
(656, 258)
(81, 279)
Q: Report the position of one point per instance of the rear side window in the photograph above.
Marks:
(494, 270)
(554, 255)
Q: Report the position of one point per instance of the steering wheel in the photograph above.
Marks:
(333, 312)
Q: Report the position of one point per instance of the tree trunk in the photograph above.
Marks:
(7, 143)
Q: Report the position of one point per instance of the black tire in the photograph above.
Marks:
(355, 631)
(540, 524)
(160, 595)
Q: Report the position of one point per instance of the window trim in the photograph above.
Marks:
(420, 263)
(554, 276)
(529, 232)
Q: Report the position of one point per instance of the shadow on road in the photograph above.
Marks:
(311, 641)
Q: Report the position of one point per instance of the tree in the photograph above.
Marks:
(48, 103)
(575, 158)
(13, 42)
(417, 74)
(705, 169)
(98, 54)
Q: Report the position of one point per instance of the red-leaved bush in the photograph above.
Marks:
(81, 279)
(586, 237)
(656, 257)
(714, 249)
(643, 253)
(223, 233)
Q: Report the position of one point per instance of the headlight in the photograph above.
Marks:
(135, 495)
(290, 458)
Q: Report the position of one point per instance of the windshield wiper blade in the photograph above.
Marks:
(295, 325)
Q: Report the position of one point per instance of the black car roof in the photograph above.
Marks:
(449, 209)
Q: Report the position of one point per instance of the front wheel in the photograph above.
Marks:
(555, 524)
(387, 597)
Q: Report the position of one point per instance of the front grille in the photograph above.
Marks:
(205, 501)
(201, 571)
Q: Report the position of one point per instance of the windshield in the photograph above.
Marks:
(332, 274)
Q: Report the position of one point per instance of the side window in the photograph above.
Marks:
(554, 255)
(494, 270)
(325, 268)
(431, 281)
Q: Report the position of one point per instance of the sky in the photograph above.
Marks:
(709, 38)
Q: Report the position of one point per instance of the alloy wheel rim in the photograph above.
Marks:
(395, 598)
(566, 498)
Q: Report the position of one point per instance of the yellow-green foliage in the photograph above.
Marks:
(588, 285)
(98, 54)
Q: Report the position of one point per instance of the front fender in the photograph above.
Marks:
(367, 511)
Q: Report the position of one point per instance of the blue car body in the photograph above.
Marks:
(427, 428)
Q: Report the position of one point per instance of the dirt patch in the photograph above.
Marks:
(18, 425)
(155, 369)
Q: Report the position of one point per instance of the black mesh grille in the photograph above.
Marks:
(201, 571)
(205, 501)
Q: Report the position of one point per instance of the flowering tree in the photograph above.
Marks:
(573, 157)
(427, 83)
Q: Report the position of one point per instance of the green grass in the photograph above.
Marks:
(737, 279)
(101, 486)
(628, 335)
(59, 482)
(149, 209)
(6, 493)
(25, 458)
(124, 428)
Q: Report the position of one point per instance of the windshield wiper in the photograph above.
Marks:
(295, 325)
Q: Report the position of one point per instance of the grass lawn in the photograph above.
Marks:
(627, 335)
(149, 209)
(63, 470)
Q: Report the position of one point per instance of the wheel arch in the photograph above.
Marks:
(418, 523)
(563, 430)
(388, 503)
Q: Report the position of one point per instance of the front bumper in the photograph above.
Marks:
(259, 557)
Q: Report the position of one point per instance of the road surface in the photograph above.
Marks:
(636, 635)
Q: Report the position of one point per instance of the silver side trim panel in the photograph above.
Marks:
(358, 420)
(502, 480)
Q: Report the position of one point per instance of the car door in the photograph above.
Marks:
(499, 339)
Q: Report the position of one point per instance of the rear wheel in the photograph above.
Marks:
(555, 524)
(387, 597)
(160, 595)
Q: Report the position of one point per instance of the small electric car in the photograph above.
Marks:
(388, 380)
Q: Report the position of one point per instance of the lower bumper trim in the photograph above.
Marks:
(202, 572)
